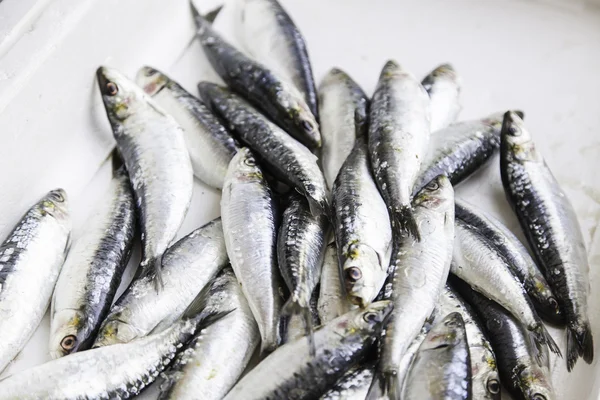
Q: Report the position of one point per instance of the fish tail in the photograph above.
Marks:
(384, 387)
(153, 267)
(404, 221)
(293, 307)
(580, 342)
(318, 207)
(542, 337)
(572, 349)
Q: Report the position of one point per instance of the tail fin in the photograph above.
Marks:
(384, 387)
(293, 307)
(404, 220)
(198, 309)
(153, 267)
(579, 344)
(318, 207)
(541, 337)
(212, 15)
(572, 349)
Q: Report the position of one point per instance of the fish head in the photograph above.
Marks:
(364, 273)
(213, 95)
(534, 383)
(56, 204)
(119, 94)
(545, 303)
(515, 139)
(449, 332)
(115, 332)
(438, 194)
(67, 332)
(443, 73)
(486, 381)
(244, 166)
(151, 80)
(299, 113)
(371, 319)
(334, 77)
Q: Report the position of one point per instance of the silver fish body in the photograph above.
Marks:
(333, 301)
(354, 385)
(30, 260)
(209, 144)
(443, 86)
(411, 352)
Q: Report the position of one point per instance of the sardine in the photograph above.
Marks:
(354, 385)
(209, 144)
(155, 155)
(332, 299)
(188, 266)
(443, 86)
(552, 230)
(30, 260)
(292, 373)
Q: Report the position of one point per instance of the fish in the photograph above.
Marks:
(340, 98)
(551, 227)
(411, 351)
(294, 326)
(211, 147)
(153, 149)
(212, 362)
(518, 259)
(442, 366)
(362, 227)
(443, 86)
(354, 385)
(248, 213)
(280, 101)
(399, 120)
(482, 266)
(188, 266)
(290, 372)
(31, 257)
(92, 272)
(113, 372)
(421, 270)
(271, 36)
(286, 158)
(460, 149)
(516, 356)
(332, 300)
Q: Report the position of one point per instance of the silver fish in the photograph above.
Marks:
(286, 158)
(339, 99)
(209, 144)
(399, 122)
(93, 269)
(292, 373)
(248, 214)
(30, 260)
(442, 366)
(443, 86)
(551, 227)
(333, 301)
(213, 361)
(411, 352)
(154, 151)
(188, 266)
(354, 385)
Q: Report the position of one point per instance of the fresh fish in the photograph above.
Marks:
(339, 99)
(443, 86)
(354, 385)
(333, 301)
(209, 144)
(362, 227)
(286, 158)
(479, 263)
(517, 257)
(213, 361)
(248, 214)
(188, 266)
(515, 354)
(421, 270)
(292, 373)
(270, 35)
(30, 260)
(551, 227)
(155, 155)
(282, 102)
(460, 149)
(398, 140)
(114, 372)
(93, 269)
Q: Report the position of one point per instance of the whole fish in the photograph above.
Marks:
(209, 144)
(515, 354)
(551, 227)
(286, 158)
(354, 385)
(460, 149)
(188, 266)
(114, 372)
(362, 227)
(517, 257)
(155, 155)
(399, 120)
(339, 99)
(417, 281)
(213, 361)
(481, 265)
(269, 35)
(333, 301)
(292, 373)
(443, 86)
(93, 269)
(248, 214)
(281, 101)
(442, 366)
(30, 260)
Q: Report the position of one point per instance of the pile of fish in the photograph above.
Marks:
(342, 266)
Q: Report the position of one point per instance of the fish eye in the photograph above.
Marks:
(514, 131)
(370, 317)
(249, 162)
(493, 386)
(111, 88)
(433, 185)
(68, 343)
(553, 303)
(538, 396)
(150, 72)
(58, 196)
(307, 126)
(353, 274)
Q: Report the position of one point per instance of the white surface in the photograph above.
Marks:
(542, 57)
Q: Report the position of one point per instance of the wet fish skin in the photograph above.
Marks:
(292, 373)
(280, 101)
(332, 299)
(552, 230)
(209, 144)
(443, 86)
(153, 149)
(31, 257)
(188, 266)
(93, 269)
(354, 385)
